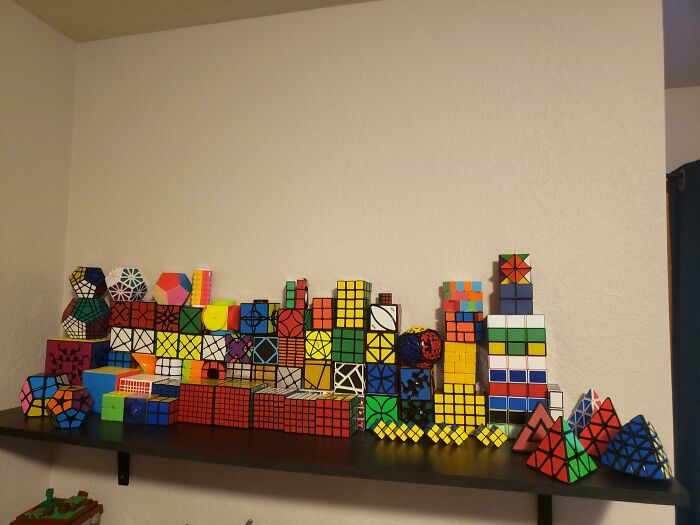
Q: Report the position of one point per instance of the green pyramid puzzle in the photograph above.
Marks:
(560, 455)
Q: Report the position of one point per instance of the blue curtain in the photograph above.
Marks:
(683, 188)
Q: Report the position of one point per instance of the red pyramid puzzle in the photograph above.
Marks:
(600, 429)
(534, 430)
(560, 455)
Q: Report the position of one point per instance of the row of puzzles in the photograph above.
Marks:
(329, 366)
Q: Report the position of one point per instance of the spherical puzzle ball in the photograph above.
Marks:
(126, 284)
(36, 392)
(419, 346)
(172, 288)
(88, 282)
(69, 406)
(86, 319)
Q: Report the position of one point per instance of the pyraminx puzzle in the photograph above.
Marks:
(560, 455)
(601, 429)
(588, 404)
(534, 430)
(637, 450)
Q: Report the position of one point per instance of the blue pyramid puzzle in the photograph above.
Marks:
(587, 405)
(637, 450)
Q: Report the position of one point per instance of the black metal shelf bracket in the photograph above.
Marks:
(544, 509)
(123, 466)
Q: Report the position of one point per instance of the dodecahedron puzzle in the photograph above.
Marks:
(36, 392)
(126, 284)
(86, 318)
(69, 406)
(172, 288)
(88, 282)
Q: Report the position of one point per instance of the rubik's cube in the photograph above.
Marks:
(113, 406)
(37, 391)
(354, 298)
(72, 357)
(197, 401)
(291, 351)
(298, 295)
(136, 408)
(99, 381)
(516, 335)
(233, 402)
(290, 323)
(268, 408)
(300, 412)
(515, 283)
(463, 305)
(139, 383)
(213, 370)
(441, 433)
(348, 345)
(322, 313)
(555, 401)
(460, 405)
(517, 384)
(462, 296)
(336, 415)
(259, 317)
(162, 410)
(459, 365)
(166, 387)
(69, 406)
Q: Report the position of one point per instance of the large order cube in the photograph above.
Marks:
(72, 357)
(100, 381)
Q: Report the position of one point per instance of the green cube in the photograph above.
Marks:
(113, 406)
(190, 320)
(536, 335)
(308, 319)
(384, 408)
(497, 334)
(517, 335)
(348, 345)
(515, 348)
(289, 293)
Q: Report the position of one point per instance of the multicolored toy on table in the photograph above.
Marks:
(328, 367)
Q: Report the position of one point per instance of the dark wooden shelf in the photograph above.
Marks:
(362, 456)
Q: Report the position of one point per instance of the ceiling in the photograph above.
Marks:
(682, 42)
(85, 20)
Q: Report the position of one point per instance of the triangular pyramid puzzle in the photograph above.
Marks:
(637, 450)
(582, 413)
(534, 430)
(561, 455)
(601, 429)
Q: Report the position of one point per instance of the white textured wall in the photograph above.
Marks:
(37, 73)
(682, 126)
(404, 142)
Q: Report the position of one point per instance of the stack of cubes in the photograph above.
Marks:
(517, 349)
(348, 341)
(85, 320)
(459, 403)
(382, 389)
(291, 323)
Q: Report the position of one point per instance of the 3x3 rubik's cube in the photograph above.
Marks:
(517, 348)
